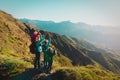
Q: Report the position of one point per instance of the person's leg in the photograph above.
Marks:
(44, 64)
(38, 59)
(47, 67)
(35, 61)
(50, 65)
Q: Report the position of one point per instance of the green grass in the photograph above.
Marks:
(84, 73)
(5, 51)
(64, 70)
(61, 61)
(12, 66)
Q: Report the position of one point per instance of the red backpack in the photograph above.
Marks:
(34, 37)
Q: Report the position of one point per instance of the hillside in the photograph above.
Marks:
(83, 73)
(16, 62)
(14, 43)
(102, 56)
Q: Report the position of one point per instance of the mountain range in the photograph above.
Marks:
(76, 58)
(106, 36)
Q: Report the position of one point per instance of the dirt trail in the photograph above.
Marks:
(32, 74)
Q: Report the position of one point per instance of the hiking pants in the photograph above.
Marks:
(37, 60)
(50, 65)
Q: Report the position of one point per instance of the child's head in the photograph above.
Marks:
(46, 41)
(51, 49)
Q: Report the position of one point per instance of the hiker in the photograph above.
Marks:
(49, 58)
(33, 42)
(45, 49)
(38, 46)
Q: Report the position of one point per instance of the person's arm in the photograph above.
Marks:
(49, 42)
(42, 39)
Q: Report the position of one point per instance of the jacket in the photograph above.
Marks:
(38, 44)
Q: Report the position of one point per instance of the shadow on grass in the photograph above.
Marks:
(27, 75)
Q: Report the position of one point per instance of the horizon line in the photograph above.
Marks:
(75, 22)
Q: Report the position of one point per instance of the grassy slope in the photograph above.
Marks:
(14, 44)
(83, 73)
(107, 59)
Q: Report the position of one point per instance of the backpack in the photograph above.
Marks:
(52, 53)
(49, 55)
(34, 37)
(32, 48)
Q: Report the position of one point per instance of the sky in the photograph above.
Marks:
(94, 12)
